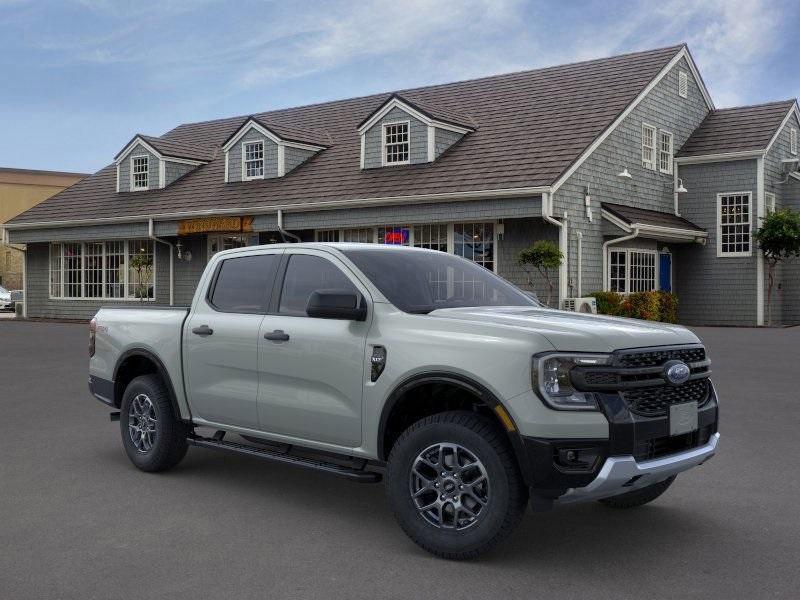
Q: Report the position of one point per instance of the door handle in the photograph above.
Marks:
(277, 336)
(203, 330)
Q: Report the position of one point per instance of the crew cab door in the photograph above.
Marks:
(312, 369)
(220, 340)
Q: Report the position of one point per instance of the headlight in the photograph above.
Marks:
(551, 380)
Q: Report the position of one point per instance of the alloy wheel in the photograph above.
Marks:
(142, 423)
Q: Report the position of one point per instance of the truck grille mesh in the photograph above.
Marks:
(656, 358)
(655, 401)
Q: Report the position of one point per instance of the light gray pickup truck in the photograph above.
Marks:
(367, 361)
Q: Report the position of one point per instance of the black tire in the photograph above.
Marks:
(506, 499)
(638, 497)
(169, 440)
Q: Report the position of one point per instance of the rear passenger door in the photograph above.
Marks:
(311, 382)
(221, 340)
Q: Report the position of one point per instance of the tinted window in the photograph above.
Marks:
(243, 284)
(306, 274)
(422, 281)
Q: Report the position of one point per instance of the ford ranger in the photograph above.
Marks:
(470, 398)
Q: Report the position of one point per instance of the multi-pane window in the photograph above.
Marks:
(140, 166)
(395, 143)
(475, 241)
(218, 243)
(648, 146)
(733, 231)
(665, 152)
(793, 140)
(363, 235)
(631, 271)
(328, 235)
(683, 84)
(769, 200)
(433, 237)
(398, 236)
(253, 160)
(121, 269)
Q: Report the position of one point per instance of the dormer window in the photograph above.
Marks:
(396, 148)
(253, 153)
(140, 169)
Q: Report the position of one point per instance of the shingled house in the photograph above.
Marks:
(623, 161)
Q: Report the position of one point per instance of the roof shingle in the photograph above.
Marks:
(631, 215)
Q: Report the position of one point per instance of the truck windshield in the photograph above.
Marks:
(419, 282)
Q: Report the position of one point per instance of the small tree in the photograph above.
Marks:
(779, 239)
(542, 256)
(142, 265)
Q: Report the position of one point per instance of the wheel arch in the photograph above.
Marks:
(140, 361)
(403, 393)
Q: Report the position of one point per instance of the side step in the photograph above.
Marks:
(358, 475)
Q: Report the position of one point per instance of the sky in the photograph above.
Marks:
(80, 78)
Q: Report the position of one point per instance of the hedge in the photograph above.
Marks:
(651, 306)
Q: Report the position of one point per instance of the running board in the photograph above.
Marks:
(358, 475)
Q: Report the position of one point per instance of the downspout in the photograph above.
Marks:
(282, 231)
(675, 187)
(580, 264)
(618, 240)
(151, 234)
(563, 242)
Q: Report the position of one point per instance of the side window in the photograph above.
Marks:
(306, 274)
(243, 285)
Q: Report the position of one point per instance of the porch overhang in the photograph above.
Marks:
(653, 224)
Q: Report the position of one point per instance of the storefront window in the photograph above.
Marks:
(475, 241)
(220, 242)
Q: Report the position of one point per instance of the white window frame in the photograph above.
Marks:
(769, 202)
(683, 84)
(384, 126)
(793, 141)
(133, 186)
(411, 234)
(126, 279)
(244, 237)
(665, 154)
(649, 164)
(627, 276)
(720, 253)
(263, 160)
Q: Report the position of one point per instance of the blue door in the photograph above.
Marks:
(665, 272)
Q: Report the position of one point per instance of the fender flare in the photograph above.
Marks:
(465, 383)
(160, 368)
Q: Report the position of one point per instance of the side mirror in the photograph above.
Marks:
(336, 304)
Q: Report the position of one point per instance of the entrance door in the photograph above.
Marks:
(220, 342)
(312, 370)
(665, 271)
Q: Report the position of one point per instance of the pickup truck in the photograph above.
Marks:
(469, 397)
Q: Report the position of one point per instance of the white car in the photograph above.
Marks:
(5, 299)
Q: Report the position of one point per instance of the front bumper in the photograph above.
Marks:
(621, 474)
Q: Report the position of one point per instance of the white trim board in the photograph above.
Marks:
(398, 103)
(656, 231)
(681, 54)
(792, 111)
(138, 140)
(721, 157)
(252, 124)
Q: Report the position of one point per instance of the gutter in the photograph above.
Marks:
(618, 240)
(283, 232)
(151, 234)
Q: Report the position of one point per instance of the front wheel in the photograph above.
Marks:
(153, 437)
(454, 485)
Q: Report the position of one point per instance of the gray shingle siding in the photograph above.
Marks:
(443, 139)
(125, 169)
(648, 189)
(83, 234)
(175, 170)
(294, 157)
(790, 275)
(714, 290)
(518, 235)
(40, 305)
(418, 139)
(270, 156)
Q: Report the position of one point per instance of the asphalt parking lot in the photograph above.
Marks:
(77, 520)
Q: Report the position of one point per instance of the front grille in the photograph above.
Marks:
(656, 358)
(663, 446)
(655, 401)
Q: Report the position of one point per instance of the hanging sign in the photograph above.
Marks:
(216, 224)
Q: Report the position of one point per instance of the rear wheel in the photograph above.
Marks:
(639, 497)
(153, 437)
(454, 485)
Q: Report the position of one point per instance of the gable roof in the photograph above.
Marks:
(639, 216)
(431, 112)
(282, 131)
(170, 148)
(530, 127)
(738, 129)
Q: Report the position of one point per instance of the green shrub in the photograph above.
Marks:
(608, 303)
(669, 306)
(645, 305)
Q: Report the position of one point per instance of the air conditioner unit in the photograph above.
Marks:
(581, 305)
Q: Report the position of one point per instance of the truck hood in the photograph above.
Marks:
(571, 331)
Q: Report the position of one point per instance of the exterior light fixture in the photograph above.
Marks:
(680, 189)
(625, 174)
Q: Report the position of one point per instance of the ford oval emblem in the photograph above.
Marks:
(677, 372)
